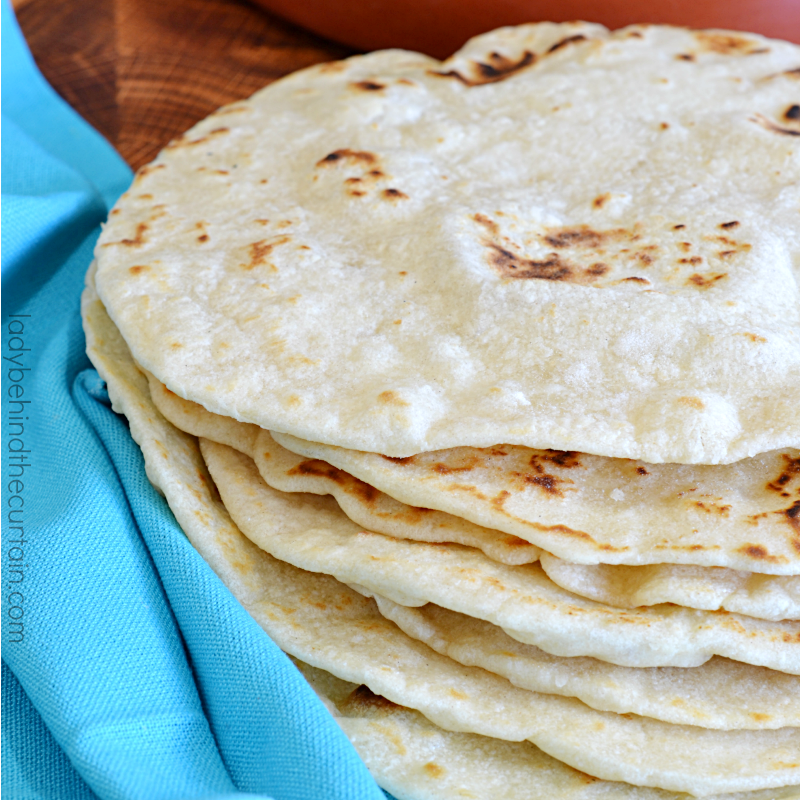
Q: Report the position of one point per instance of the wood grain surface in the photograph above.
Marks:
(143, 71)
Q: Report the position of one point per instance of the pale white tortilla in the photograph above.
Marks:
(365, 505)
(752, 594)
(562, 237)
(313, 533)
(415, 760)
(332, 627)
(719, 694)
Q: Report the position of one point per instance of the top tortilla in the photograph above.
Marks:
(561, 237)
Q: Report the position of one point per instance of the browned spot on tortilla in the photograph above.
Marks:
(203, 238)
(138, 268)
(137, 241)
(792, 113)
(406, 82)
(754, 337)
(691, 260)
(790, 470)
(356, 193)
(509, 265)
(145, 197)
(582, 236)
(704, 281)
(685, 57)
(793, 518)
(664, 126)
(322, 469)
(759, 552)
(368, 86)
(498, 68)
(353, 180)
(444, 469)
(147, 169)
(769, 125)
(728, 225)
(259, 251)
(487, 223)
(391, 398)
(182, 141)
(353, 156)
(712, 508)
(730, 44)
(550, 484)
(578, 37)
(433, 770)
(176, 345)
(678, 227)
(566, 459)
(692, 402)
(641, 471)
(394, 194)
(601, 200)
(760, 717)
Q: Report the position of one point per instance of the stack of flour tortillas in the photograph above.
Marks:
(494, 366)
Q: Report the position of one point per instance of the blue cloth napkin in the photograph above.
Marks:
(129, 670)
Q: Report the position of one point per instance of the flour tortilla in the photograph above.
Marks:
(756, 595)
(312, 533)
(415, 760)
(330, 626)
(772, 597)
(376, 511)
(719, 694)
(590, 509)
(562, 237)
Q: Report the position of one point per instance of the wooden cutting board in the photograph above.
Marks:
(143, 71)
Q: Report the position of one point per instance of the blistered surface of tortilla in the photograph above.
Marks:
(560, 237)
(332, 627)
(593, 509)
(520, 599)
(416, 760)
(365, 505)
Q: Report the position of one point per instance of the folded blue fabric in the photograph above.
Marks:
(129, 670)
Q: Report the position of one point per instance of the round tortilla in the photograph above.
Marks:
(541, 241)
